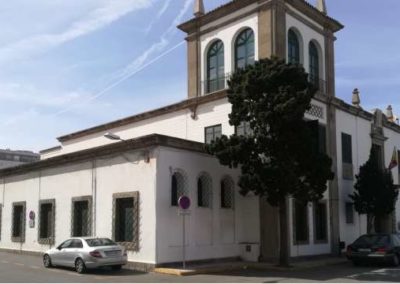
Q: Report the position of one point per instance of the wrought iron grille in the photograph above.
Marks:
(227, 193)
(316, 111)
(46, 226)
(18, 222)
(81, 216)
(126, 219)
(179, 186)
(204, 191)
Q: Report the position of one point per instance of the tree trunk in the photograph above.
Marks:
(283, 230)
(370, 224)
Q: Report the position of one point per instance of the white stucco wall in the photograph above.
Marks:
(211, 233)
(116, 174)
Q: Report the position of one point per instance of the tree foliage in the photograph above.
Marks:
(280, 157)
(375, 194)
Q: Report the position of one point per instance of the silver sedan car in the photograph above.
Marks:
(83, 253)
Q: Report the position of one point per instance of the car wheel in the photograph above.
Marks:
(395, 260)
(116, 267)
(80, 266)
(47, 261)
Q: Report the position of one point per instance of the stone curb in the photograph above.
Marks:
(246, 265)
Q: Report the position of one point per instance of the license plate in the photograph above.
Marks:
(113, 253)
(364, 250)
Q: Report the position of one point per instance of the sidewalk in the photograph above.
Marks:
(238, 265)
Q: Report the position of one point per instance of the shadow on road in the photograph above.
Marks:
(105, 272)
(328, 273)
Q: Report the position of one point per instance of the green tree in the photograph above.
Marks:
(375, 194)
(279, 158)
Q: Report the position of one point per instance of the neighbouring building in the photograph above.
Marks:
(10, 158)
(128, 190)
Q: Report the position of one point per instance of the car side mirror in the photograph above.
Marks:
(59, 248)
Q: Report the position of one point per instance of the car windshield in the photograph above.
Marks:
(100, 242)
(372, 240)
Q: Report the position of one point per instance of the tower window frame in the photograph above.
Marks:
(294, 49)
(215, 67)
(314, 64)
(245, 49)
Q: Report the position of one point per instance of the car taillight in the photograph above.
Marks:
(95, 254)
(382, 250)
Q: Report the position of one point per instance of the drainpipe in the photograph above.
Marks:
(94, 195)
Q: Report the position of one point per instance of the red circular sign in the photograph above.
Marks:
(31, 215)
(184, 202)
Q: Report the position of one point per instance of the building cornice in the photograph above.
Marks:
(307, 9)
(144, 142)
(186, 104)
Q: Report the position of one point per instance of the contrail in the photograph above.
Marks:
(122, 79)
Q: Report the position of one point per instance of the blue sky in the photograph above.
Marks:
(69, 65)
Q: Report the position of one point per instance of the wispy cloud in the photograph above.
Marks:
(159, 46)
(158, 16)
(110, 12)
(154, 53)
(27, 94)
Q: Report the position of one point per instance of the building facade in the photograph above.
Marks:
(10, 158)
(128, 190)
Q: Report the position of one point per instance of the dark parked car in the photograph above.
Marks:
(383, 248)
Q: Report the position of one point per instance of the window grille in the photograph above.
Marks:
(349, 213)
(18, 222)
(227, 193)
(320, 222)
(212, 133)
(126, 219)
(81, 216)
(316, 111)
(46, 224)
(300, 218)
(204, 191)
(178, 187)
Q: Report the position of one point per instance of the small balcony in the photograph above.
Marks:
(319, 84)
(210, 86)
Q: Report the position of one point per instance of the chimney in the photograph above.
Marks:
(389, 113)
(321, 6)
(198, 8)
(356, 98)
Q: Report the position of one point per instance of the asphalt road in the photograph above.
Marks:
(22, 268)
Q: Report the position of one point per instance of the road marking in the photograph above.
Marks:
(5, 261)
(34, 267)
(19, 264)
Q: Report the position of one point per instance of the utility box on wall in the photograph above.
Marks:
(250, 251)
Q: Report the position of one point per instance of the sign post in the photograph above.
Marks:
(184, 205)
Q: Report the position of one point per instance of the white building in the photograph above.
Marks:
(127, 190)
(12, 158)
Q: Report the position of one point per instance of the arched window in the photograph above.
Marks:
(227, 194)
(314, 64)
(244, 49)
(215, 67)
(293, 47)
(178, 187)
(204, 191)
